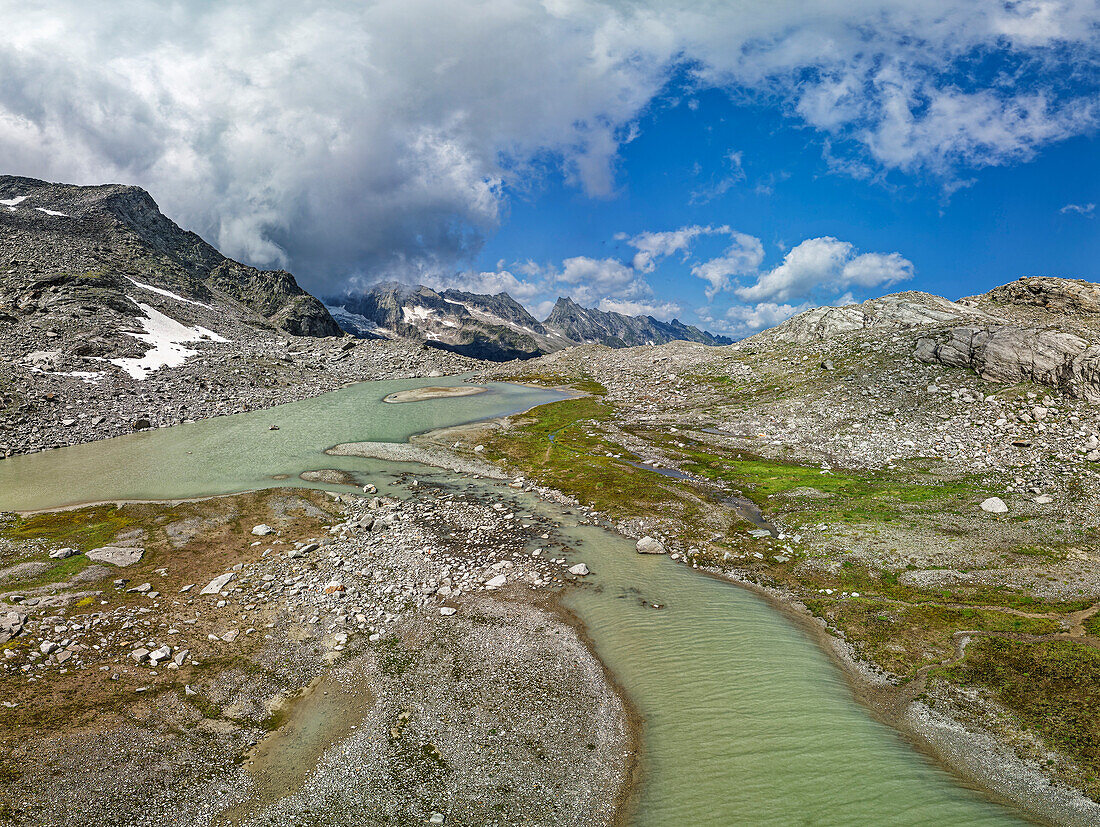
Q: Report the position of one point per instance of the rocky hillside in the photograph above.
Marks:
(589, 325)
(85, 258)
(922, 476)
(497, 327)
(1037, 329)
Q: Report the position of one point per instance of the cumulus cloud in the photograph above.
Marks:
(653, 246)
(588, 281)
(1087, 210)
(825, 266)
(744, 255)
(658, 310)
(489, 283)
(381, 139)
(744, 320)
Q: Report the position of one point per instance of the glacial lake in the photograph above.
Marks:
(747, 722)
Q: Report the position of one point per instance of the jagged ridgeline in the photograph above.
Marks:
(497, 327)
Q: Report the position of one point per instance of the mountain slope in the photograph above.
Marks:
(485, 327)
(1036, 329)
(75, 253)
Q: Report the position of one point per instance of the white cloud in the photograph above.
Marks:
(605, 274)
(744, 255)
(586, 280)
(744, 320)
(1087, 210)
(825, 266)
(875, 269)
(653, 246)
(380, 138)
(490, 283)
(658, 310)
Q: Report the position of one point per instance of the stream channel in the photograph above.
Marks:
(746, 720)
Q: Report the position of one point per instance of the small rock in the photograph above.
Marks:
(447, 611)
(580, 570)
(994, 505)
(262, 530)
(217, 584)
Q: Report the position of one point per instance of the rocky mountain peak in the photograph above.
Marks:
(75, 248)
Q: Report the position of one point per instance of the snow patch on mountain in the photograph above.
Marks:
(166, 338)
(161, 291)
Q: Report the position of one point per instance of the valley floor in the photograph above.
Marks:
(844, 479)
(855, 483)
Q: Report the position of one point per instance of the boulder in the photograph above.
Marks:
(217, 584)
(994, 505)
(262, 530)
(117, 555)
(651, 545)
(1013, 354)
(11, 624)
(580, 570)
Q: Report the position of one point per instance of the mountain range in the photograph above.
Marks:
(497, 327)
(85, 259)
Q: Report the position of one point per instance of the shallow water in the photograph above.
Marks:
(746, 720)
(239, 453)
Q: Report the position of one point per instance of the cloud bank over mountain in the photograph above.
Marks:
(382, 140)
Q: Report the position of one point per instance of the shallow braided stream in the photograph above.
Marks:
(746, 719)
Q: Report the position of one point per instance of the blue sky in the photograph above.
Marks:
(706, 160)
(729, 163)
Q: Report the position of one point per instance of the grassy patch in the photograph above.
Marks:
(1053, 687)
(905, 638)
(858, 578)
(849, 496)
(85, 528)
(556, 444)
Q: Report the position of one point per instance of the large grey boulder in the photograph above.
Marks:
(217, 584)
(116, 555)
(11, 624)
(651, 545)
